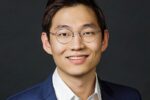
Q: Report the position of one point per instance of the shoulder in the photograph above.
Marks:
(41, 91)
(28, 94)
(120, 92)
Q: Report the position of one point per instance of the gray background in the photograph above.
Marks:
(24, 63)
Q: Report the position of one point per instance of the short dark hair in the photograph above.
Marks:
(55, 5)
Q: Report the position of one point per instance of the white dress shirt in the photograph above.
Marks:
(63, 92)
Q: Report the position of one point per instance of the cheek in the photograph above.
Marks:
(96, 46)
(57, 48)
(96, 51)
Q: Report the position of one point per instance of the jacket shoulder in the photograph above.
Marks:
(28, 94)
(41, 91)
(120, 92)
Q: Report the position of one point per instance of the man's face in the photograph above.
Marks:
(77, 57)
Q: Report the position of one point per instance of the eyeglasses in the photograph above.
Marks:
(65, 36)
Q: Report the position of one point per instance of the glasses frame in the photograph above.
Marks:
(73, 35)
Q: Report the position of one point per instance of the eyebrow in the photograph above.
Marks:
(63, 26)
(88, 25)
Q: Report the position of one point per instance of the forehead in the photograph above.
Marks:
(75, 16)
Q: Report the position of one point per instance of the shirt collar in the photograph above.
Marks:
(63, 92)
(97, 89)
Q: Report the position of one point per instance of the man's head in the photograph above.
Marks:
(53, 6)
(74, 36)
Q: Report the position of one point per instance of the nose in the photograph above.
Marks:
(77, 43)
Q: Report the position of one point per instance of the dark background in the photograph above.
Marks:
(24, 63)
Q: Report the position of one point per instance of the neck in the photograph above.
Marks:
(83, 86)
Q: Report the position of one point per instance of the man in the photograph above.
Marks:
(75, 34)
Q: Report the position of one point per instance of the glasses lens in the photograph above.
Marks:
(64, 36)
(88, 36)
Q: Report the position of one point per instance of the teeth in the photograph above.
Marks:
(76, 57)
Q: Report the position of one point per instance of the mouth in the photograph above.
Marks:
(77, 59)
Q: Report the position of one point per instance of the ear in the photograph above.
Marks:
(105, 40)
(45, 42)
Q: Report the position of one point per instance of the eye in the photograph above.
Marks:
(63, 34)
(88, 33)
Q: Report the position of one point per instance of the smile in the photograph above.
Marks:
(77, 59)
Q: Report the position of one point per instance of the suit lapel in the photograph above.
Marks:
(48, 90)
(106, 91)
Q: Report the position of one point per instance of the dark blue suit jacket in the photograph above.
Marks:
(109, 91)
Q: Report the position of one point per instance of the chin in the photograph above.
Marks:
(79, 72)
